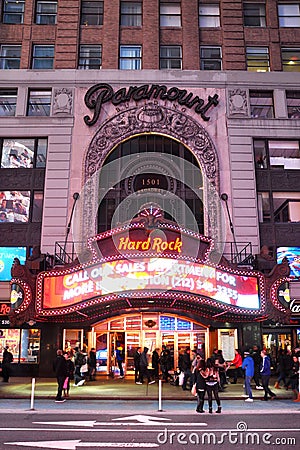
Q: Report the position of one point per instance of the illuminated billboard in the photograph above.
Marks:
(293, 256)
(148, 274)
(7, 255)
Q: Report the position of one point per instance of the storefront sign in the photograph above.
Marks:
(295, 307)
(16, 295)
(102, 93)
(157, 245)
(4, 309)
(147, 274)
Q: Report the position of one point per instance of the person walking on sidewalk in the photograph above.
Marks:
(265, 372)
(200, 384)
(92, 363)
(255, 354)
(60, 369)
(120, 359)
(185, 367)
(70, 373)
(212, 380)
(248, 366)
(144, 368)
(137, 359)
(6, 364)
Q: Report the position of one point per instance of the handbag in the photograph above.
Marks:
(181, 378)
(65, 386)
(194, 390)
(84, 368)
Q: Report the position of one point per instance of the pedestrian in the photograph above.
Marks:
(248, 366)
(136, 360)
(200, 384)
(144, 372)
(212, 380)
(185, 367)
(282, 368)
(79, 361)
(92, 364)
(293, 380)
(165, 363)
(265, 372)
(70, 374)
(155, 363)
(255, 354)
(7, 359)
(237, 363)
(60, 369)
(120, 359)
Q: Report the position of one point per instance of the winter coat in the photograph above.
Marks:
(266, 366)
(248, 366)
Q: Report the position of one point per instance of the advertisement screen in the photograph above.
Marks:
(7, 255)
(14, 206)
(293, 256)
(150, 274)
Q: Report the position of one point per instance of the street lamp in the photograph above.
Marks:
(75, 198)
(224, 197)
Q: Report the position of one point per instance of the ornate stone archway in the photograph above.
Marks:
(158, 119)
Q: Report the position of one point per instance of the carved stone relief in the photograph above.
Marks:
(62, 101)
(237, 102)
(154, 118)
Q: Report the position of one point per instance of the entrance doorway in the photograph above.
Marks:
(145, 330)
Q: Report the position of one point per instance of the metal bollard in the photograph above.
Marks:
(159, 395)
(32, 394)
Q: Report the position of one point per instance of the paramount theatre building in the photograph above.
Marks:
(147, 207)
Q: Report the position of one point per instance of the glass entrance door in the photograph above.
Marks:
(132, 343)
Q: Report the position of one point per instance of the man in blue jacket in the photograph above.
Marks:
(248, 366)
(265, 372)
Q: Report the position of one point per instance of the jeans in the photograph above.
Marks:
(248, 386)
(265, 382)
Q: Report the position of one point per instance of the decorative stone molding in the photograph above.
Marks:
(62, 101)
(237, 102)
(154, 118)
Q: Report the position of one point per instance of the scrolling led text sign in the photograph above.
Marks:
(102, 93)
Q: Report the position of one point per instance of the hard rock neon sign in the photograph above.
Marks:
(156, 244)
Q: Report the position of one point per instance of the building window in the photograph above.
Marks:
(46, 13)
(10, 57)
(289, 15)
(23, 153)
(130, 57)
(264, 207)
(170, 14)
(210, 58)
(92, 12)
(13, 11)
(39, 103)
(277, 154)
(131, 14)
(14, 206)
(257, 59)
(90, 57)
(8, 102)
(209, 16)
(37, 206)
(293, 104)
(290, 59)
(254, 14)
(261, 104)
(286, 206)
(43, 57)
(170, 57)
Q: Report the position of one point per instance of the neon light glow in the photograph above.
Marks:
(156, 275)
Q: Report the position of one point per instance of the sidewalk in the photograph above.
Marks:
(106, 388)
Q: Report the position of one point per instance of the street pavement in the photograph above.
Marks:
(123, 395)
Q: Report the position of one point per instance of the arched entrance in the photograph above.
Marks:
(150, 330)
(162, 173)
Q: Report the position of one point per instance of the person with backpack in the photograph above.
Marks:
(79, 361)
